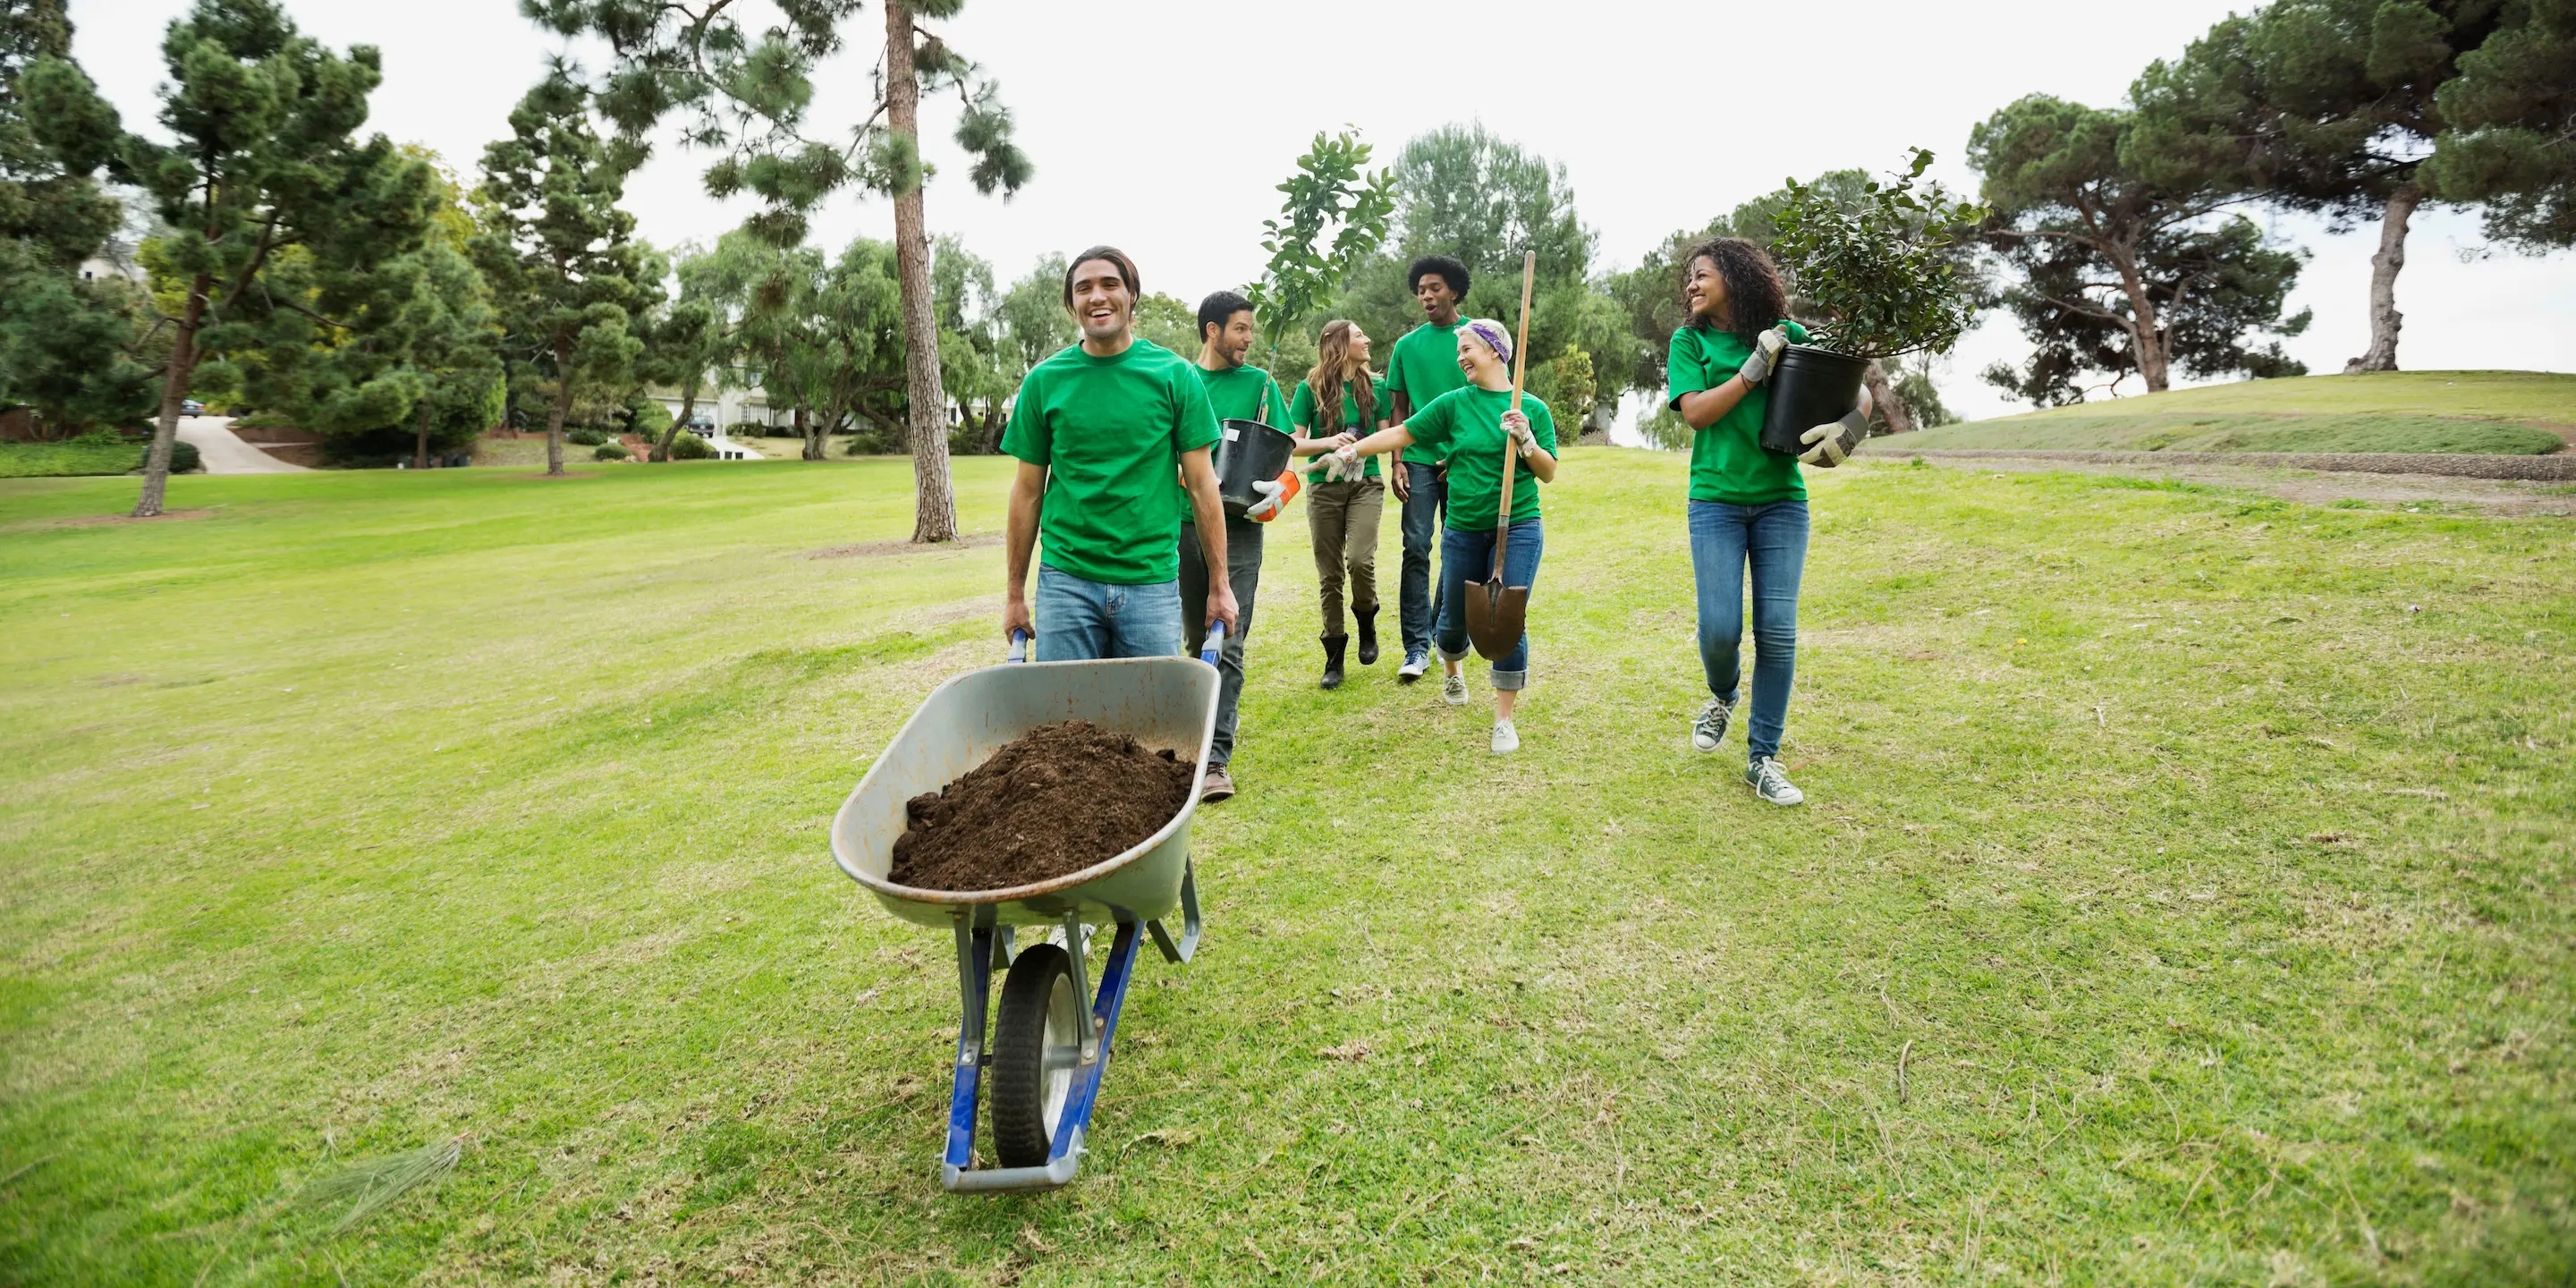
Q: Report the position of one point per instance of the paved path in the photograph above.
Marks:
(224, 453)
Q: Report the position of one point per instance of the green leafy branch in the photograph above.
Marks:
(1881, 272)
(1329, 191)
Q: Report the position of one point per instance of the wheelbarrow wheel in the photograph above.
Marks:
(1037, 1042)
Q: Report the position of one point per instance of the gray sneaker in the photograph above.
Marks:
(1453, 690)
(1771, 782)
(1710, 728)
(1414, 665)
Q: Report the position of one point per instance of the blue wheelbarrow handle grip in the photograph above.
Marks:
(1019, 646)
(1215, 643)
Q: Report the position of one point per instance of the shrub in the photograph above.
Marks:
(611, 452)
(586, 436)
(183, 456)
(1881, 273)
(689, 447)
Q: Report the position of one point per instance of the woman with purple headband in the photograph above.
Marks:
(1469, 427)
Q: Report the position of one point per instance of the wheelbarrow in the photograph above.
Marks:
(1050, 1037)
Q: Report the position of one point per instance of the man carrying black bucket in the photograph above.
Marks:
(1422, 365)
(1098, 428)
(1236, 392)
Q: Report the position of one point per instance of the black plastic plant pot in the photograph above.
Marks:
(1250, 452)
(1809, 387)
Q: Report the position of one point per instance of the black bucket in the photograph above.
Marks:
(1248, 452)
(1809, 387)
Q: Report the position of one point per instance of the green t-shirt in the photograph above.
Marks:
(1239, 393)
(1727, 460)
(1422, 366)
(1111, 431)
(1244, 393)
(1302, 409)
(1465, 428)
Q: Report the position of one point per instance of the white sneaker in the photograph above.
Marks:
(1506, 738)
(1771, 783)
(1709, 729)
(1414, 665)
(1453, 690)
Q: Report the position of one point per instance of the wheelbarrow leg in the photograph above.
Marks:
(976, 947)
(1180, 952)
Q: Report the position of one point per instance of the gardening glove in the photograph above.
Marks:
(1524, 440)
(1766, 350)
(1275, 494)
(1831, 445)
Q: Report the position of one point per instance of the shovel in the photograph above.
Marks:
(1496, 613)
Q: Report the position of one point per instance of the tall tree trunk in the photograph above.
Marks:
(993, 425)
(688, 407)
(934, 505)
(2384, 267)
(563, 406)
(1891, 404)
(420, 437)
(2146, 338)
(813, 449)
(174, 390)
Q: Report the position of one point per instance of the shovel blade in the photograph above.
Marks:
(1496, 616)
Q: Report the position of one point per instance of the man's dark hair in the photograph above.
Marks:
(1754, 301)
(1219, 309)
(1449, 270)
(1126, 270)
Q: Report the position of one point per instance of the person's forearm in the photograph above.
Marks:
(1394, 438)
(1022, 540)
(1542, 464)
(1705, 407)
(1306, 446)
(1207, 514)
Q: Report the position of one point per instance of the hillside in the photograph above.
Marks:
(2482, 412)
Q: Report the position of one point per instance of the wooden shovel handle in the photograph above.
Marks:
(1511, 452)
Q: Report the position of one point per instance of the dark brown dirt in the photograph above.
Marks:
(1057, 800)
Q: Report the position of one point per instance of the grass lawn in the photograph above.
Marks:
(2183, 898)
(2487, 412)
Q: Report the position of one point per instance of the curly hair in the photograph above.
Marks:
(1754, 298)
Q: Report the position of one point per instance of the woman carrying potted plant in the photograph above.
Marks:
(1469, 426)
(1343, 503)
(1748, 505)
(1877, 272)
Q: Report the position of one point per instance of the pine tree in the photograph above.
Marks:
(567, 275)
(66, 345)
(265, 164)
(2510, 137)
(747, 95)
(2319, 105)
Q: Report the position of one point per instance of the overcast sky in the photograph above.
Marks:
(1162, 126)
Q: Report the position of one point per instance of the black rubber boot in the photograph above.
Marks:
(1333, 646)
(1367, 618)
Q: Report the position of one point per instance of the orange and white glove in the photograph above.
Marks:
(1275, 496)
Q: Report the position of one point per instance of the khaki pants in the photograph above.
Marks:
(1343, 517)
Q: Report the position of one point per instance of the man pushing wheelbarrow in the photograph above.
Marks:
(1097, 429)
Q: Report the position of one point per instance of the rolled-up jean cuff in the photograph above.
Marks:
(1447, 656)
(1510, 681)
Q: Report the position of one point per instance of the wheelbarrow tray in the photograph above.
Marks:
(1166, 703)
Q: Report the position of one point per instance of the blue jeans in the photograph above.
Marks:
(1417, 602)
(1079, 620)
(1466, 559)
(1772, 538)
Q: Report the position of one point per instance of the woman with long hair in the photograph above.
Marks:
(1343, 503)
(1469, 427)
(1748, 506)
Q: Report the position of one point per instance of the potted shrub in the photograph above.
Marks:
(1879, 276)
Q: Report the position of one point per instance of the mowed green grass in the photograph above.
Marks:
(2183, 898)
(2482, 412)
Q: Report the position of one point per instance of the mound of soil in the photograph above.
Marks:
(1057, 800)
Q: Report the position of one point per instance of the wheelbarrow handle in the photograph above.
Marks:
(1019, 646)
(1214, 644)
